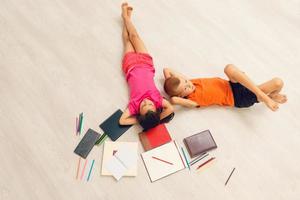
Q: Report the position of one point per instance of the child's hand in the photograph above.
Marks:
(184, 102)
(173, 100)
(167, 72)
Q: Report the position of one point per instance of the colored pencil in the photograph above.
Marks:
(80, 122)
(88, 178)
(101, 139)
(78, 167)
(186, 160)
(82, 173)
(104, 138)
(205, 162)
(229, 176)
(198, 159)
(76, 128)
(162, 160)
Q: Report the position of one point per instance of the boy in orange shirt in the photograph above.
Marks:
(239, 91)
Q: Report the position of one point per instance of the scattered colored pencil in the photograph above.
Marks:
(88, 178)
(162, 160)
(78, 167)
(229, 176)
(80, 123)
(102, 139)
(205, 162)
(105, 137)
(198, 159)
(82, 173)
(76, 128)
(186, 159)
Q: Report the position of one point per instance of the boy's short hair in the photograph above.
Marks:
(149, 120)
(171, 84)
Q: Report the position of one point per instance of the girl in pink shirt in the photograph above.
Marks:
(146, 104)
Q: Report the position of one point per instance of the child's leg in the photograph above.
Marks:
(235, 75)
(135, 39)
(272, 89)
(128, 47)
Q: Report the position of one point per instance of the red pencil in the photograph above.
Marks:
(162, 160)
(82, 173)
(206, 162)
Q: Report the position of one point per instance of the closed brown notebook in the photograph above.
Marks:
(199, 143)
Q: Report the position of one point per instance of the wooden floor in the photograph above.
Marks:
(60, 58)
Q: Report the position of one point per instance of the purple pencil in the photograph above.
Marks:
(76, 128)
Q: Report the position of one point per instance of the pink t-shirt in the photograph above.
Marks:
(141, 86)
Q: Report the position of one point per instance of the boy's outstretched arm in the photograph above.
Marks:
(167, 109)
(184, 102)
(168, 72)
(127, 119)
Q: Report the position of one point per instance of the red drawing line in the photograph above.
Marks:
(162, 160)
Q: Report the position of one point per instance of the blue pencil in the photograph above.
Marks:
(88, 178)
(186, 160)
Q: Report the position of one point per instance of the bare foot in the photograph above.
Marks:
(124, 9)
(269, 102)
(279, 98)
(129, 11)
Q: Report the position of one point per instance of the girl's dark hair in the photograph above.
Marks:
(150, 119)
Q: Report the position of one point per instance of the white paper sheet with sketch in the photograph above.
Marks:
(158, 169)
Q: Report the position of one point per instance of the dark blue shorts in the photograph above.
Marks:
(243, 97)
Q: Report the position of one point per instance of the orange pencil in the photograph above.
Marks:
(205, 162)
(78, 167)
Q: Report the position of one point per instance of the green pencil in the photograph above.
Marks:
(101, 140)
(80, 122)
(186, 160)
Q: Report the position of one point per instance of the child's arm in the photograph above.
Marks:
(127, 119)
(184, 102)
(169, 72)
(167, 109)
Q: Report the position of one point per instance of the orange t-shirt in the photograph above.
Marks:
(212, 91)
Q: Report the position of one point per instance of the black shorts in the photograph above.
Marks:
(243, 97)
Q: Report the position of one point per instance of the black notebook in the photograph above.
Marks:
(112, 128)
(87, 143)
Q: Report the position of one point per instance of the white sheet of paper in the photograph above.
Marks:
(158, 169)
(127, 156)
(115, 167)
(108, 149)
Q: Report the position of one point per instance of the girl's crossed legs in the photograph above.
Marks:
(131, 39)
